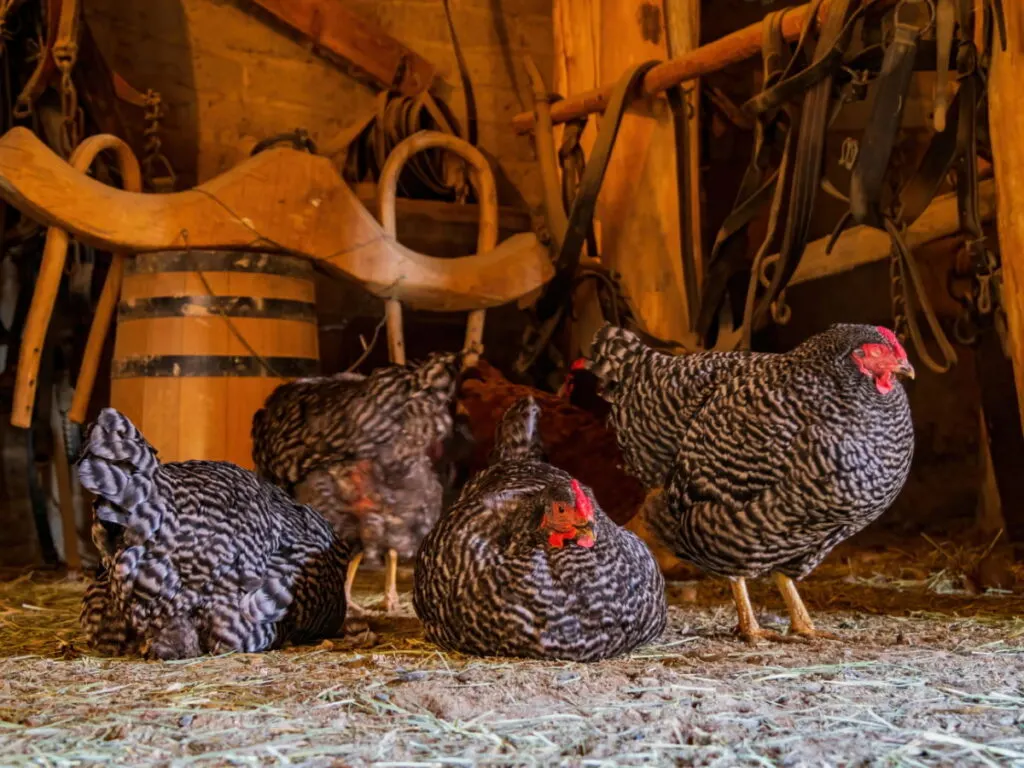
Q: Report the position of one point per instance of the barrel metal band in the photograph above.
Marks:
(189, 366)
(218, 261)
(202, 306)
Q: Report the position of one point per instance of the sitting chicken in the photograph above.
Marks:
(527, 564)
(371, 446)
(761, 463)
(201, 556)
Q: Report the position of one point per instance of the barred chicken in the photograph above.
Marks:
(201, 556)
(527, 564)
(761, 463)
(377, 447)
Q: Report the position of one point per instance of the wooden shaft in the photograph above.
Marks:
(707, 59)
(48, 283)
(396, 336)
(97, 333)
(36, 324)
(65, 497)
(1005, 93)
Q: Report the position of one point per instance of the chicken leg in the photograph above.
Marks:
(799, 618)
(353, 608)
(391, 583)
(748, 627)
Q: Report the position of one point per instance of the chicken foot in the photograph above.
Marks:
(748, 627)
(800, 623)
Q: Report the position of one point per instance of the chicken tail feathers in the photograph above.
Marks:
(614, 354)
(118, 466)
(518, 434)
(117, 463)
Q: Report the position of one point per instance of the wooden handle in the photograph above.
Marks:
(48, 283)
(482, 178)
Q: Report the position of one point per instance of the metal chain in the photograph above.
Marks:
(898, 297)
(65, 54)
(154, 158)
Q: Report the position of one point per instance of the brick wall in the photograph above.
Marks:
(230, 77)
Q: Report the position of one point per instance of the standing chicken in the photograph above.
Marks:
(201, 556)
(761, 463)
(527, 564)
(372, 446)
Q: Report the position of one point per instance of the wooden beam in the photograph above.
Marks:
(332, 27)
(863, 245)
(682, 22)
(715, 56)
(1005, 93)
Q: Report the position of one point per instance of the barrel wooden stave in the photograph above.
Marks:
(181, 374)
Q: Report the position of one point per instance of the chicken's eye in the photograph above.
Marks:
(859, 352)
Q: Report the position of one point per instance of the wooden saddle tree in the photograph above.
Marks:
(281, 200)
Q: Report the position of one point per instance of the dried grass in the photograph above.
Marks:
(939, 681)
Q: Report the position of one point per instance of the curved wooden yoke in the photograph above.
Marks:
(483, 180)
(282, 200)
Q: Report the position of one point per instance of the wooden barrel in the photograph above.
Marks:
(202, 338)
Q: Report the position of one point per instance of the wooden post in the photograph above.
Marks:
(638, 210)
(1005, 92)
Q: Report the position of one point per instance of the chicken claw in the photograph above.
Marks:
(748, 627)
(800, 623)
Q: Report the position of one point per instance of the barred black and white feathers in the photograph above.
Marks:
(767, 460)
(527, 564)
(200, 556)
(309, 423)
(373, 446)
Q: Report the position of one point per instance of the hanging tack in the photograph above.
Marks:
(482, 178)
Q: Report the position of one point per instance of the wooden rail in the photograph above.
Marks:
(714, 56)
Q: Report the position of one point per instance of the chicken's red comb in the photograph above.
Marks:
(583, 505)
(893, 342)
(579, 365)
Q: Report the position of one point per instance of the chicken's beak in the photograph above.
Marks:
(904, 369)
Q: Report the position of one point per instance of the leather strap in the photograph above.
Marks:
(728, 254)
(467, 84)
(810, 147)
(581, 216)
(891, 91)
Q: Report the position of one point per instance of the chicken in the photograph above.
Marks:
(201, 556)
(575, 438)
(527, 564)
(373, 446)
(761, 463)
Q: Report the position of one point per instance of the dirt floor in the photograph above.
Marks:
(928, 674)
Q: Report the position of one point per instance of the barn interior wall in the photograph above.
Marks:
(230, 78)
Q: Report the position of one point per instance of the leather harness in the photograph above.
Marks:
(785, 171)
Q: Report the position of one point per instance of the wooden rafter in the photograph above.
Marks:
(329, 25)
